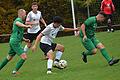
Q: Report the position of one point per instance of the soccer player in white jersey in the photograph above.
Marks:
(33, 18)
(48, 46)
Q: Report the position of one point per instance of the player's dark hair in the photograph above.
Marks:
(34, 3)
(102, 13)
(57, 19)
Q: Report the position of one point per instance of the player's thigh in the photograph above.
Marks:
(50, 54)
(17, 48)
(58, 47)
(45, 48)
(30, 36)
(95, 41)
(88, 44)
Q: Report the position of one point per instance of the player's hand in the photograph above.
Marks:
(26, 40)
(29, 26)
(76, 29)
(77, 33)
(45, 25)
(84, 38)
(33, 48)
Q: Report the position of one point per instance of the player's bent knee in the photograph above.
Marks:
(23, 56)
(50, 55)
(29, 45)
(62, 48)
(94, 51)
(100, 46)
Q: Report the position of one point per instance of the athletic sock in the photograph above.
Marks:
(88, 53)
(19, 64)
(26, 48)
(4, 62)
(49, 63)
(58, 55)
(105, 54)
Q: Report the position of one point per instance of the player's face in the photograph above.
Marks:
(102, 18)
(56, 25)
(34, 7)
(24, 15)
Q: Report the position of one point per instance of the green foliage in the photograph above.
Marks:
(49, 8)
(2, 11)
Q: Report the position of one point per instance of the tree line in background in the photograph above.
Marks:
(49, 8)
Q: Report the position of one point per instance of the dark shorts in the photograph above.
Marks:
(32, 36)
(109, 16)
(46, 48)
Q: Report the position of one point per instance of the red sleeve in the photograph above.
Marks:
(102, 6)
(113, 7)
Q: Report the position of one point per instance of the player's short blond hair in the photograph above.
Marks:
(21, 10)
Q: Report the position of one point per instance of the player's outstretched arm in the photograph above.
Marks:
(26, 40)
(23, 25)
(43, 21)
(37, 41)
(70, 29)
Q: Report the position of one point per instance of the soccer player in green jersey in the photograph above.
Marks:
(15, 41)
(90, 42)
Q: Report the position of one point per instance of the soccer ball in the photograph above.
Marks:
(62, 64)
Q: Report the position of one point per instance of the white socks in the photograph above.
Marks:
(58, 55)
(26, 49)
(49, 63)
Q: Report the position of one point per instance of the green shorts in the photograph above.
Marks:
(15, 48)
(90, 43)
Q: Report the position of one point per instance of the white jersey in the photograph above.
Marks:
(49, 33)
(34, 17)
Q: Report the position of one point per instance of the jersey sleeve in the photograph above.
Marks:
(19, 20)
(61, 28)
(112, 6)
(102, 6)
(28, 18)
(46, 31)
(41, 16)
(88, 22)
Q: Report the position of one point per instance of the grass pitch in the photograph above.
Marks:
(97, 67)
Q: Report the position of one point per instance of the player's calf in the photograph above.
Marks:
(23, 56)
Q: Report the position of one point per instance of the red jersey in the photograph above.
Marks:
(107, 6)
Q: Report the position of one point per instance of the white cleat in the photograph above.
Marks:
(108, 30)
(56, 64)
(49, 72)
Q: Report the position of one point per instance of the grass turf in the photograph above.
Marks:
(97, 67)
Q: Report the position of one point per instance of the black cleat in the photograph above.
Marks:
(84, 57)
(113, 61)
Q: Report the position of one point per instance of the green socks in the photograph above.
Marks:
(19, 64)
(5, 61)
(88, 53)
(105, 54)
